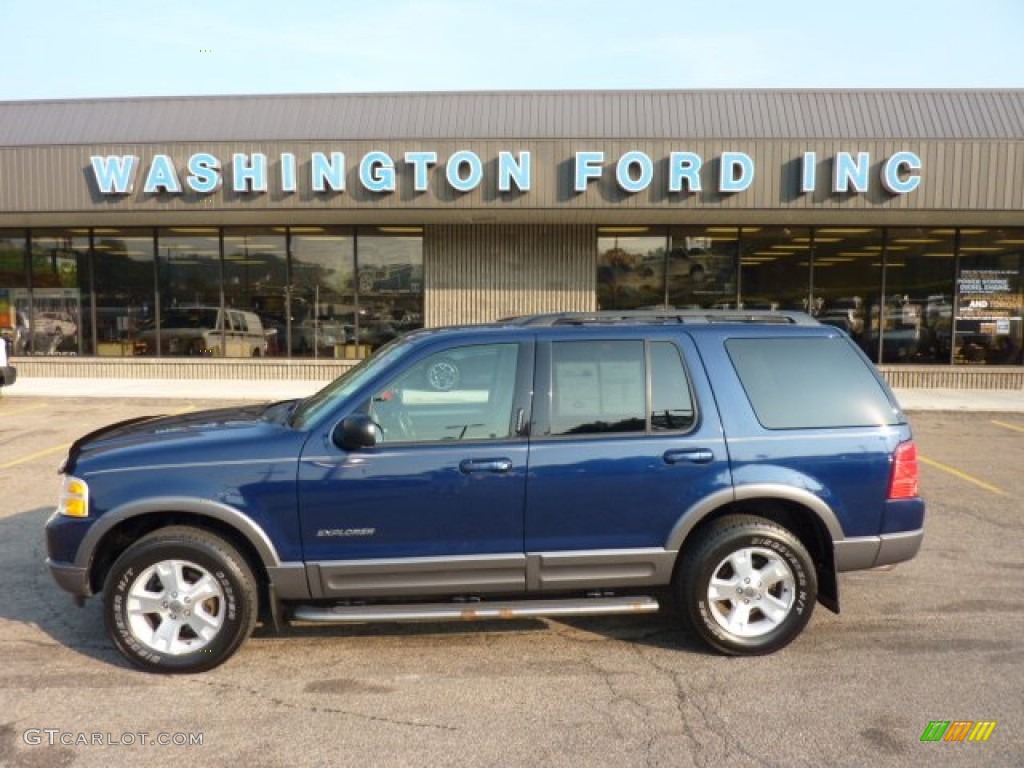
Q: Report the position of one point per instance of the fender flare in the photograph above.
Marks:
(696, 513)
(209, 508)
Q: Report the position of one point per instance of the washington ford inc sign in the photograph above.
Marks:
(205, 173)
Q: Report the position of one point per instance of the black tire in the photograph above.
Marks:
(226, 596)
(765, 580)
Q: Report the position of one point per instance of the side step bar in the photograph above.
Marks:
(517, 609)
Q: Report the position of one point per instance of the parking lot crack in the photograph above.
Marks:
(284, 704)
(712, 742)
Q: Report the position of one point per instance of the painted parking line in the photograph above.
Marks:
(65, 446)
(36, 455)
(12, 411)
(1015, 427)
(962, 475)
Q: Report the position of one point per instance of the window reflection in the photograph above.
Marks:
(49, 319)
(323, 303)
(918, 308)
(189, 273)
(390, 284)
(906, 295)
(255, 276)
(123, 283)
(336, 314)
(847, 282)
(775, 268)
(630, 268)
(701, 269)
(13, 277)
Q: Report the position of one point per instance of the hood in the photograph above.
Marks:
(182, 432)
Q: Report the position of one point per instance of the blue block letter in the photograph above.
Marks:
(901, 162)
(737, 172)
(510, 172)
(115, 174)
(588, 166)
(684, 166)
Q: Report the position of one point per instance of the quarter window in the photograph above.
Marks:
(805, 383)
(671, 401)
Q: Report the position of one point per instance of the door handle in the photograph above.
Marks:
(692, 456)
(497, 466)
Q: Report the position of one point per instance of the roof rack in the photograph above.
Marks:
(666, 316)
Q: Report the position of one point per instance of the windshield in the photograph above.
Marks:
(328, 397)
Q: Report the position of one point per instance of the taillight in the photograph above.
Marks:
(903, 484)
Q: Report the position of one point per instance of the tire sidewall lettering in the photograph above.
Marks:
(712, 551)
(213, 563)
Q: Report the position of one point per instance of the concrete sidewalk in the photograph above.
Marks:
(170, 389)
(991, 400)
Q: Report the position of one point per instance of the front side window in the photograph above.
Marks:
(464, 393)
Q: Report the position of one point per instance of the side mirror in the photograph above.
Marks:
(356, 432)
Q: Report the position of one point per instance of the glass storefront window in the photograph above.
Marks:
(190, 321)
(59, 312)
(13, 285)
(123, 283)
(847, 281)
(775, 268)
(630, 267)
(390, 285)
(989, 299)
(918, 310)
(906, 295)
(322, 298)
(255, 278)
(701, 266)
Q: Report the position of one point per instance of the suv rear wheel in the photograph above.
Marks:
(746, 585)
(180, 600)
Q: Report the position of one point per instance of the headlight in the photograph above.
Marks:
(74, 498)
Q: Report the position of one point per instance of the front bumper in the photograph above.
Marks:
(70, 578)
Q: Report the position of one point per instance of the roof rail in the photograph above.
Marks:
(667, 316)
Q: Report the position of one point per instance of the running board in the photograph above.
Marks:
(519, 609)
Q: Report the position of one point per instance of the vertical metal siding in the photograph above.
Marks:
(483, 273)
(980, 175)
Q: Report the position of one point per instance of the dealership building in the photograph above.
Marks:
(314, 228)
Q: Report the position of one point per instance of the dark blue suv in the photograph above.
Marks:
(553, 465)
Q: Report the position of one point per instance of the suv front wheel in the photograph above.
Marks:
(746, 585)
(180, 600)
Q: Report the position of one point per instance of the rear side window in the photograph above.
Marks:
(619, 386)
(800, 383)
(598, 386)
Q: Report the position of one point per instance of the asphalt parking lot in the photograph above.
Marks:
(939, 638)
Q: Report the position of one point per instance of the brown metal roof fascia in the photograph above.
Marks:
(721, 114)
